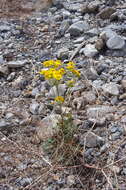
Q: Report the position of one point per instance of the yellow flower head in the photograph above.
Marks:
(48, 63)
(59, 99)
(57, 63)
(76, 72)
(57, 75)
(70, 65)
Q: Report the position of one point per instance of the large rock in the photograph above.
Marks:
(77, 28)
(99, 111)
(53, 91)
(116, 42)
(47, 127)
(16, 64)
(111, 88)
(92, 140)
(106, 12)
(90, 50)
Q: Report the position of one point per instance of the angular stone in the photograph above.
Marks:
(111, 88)
(16, 64)
(92, 140)
(47, 127)
(116, 42)
(77, 28)
(90, 50)
(99, 111)
(123, 82)
(53, 91)
(34, 108)
(63, 53)
(106, 12)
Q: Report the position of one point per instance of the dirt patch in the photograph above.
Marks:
(22, 8)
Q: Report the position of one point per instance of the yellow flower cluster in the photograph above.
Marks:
(59, 99)
(71, 67)
(56, 69)
(52, 73)
(52, 63)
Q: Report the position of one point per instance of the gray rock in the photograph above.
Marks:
(66, 14)
(63, 53)
(4, 125)
(77, 28)
(107, 33)
(5, 28)
(89, 97)
(17, 64)
(97, 84)
(35, 91)
(4, 70)
(9, 116)
(70, 180)
(106, 12)
(24, 181)
(115, 136)
(1, 59)
(99, 111)
(91, 7)
(123, 119)
(92, 140)
(123, 82)
(93, 32)
(34, 108)
(116, 42)
(124, 171)
(47, 127)
(53, 92)
(22, 166)
(90, 50)
(11, 76)
(90, 73)
(111, 88)
(64, 27)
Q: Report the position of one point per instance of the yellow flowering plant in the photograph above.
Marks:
(57, 72)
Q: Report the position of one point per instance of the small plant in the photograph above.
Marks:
(57, 72)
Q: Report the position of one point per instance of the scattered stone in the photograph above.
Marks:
(24, 181)
(92, 140)
(116, 42)
(4, 125)
(111, 88)
(91, 7)
(106, 13)
(47, 127)
(34, 108)
(89, 97)
(17, 64)
(4, 70)
(90, 50)
(63, 53)
(5, 28)
(99, 111)
(53, 92)
(78, 28)
(123, 82)
(70, 180)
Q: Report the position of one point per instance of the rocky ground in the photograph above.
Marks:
(93, 35)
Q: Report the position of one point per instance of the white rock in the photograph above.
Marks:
(53, 92)
(90, 50)
(111, 88)
(116, 42)
(16, 64)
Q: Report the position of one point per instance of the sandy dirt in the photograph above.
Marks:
(21, 8)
